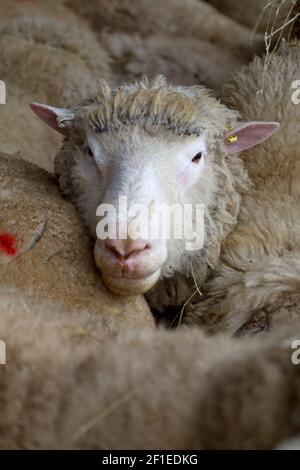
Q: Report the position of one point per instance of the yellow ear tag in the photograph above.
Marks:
(232, 138)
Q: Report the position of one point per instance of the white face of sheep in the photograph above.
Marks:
(134, 169)
(146, 172)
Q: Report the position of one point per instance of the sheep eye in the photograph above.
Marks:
(90, 152)
(197, 157)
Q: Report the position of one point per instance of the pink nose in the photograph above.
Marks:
(124, 249)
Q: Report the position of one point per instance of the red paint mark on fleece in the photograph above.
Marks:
(8, 244)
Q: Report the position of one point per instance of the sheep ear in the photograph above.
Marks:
(248, 134)
(59, 119)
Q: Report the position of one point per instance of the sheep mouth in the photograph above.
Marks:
(123, 285)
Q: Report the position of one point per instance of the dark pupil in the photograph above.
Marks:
(197, 157)
(90, 152)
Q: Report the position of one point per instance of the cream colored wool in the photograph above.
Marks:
(190, 18)
(65, 385)
(22, 134)
(257, 285)
(53, 50)
(185, 61)
(62, 61)
(52, 9)
(54, 257)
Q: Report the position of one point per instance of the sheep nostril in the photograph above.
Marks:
(116, 252)
(123, 249)
(114, 249)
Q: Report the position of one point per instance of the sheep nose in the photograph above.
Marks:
(124, 249)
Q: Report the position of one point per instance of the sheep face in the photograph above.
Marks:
(133, 160)
(150, 175)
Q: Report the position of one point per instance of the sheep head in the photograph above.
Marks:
(152, 145)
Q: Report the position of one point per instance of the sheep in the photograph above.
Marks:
(121, 143)
(190, 18)
(185, 61)
(48, 254)
(148, 123)
(66, 384)
(140, 121)
(53, 50)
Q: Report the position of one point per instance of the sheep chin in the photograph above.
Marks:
(127, 287)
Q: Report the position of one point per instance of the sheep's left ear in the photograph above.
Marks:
(60, 119)
(248, 134)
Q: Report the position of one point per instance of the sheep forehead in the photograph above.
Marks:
(137, 143)
(156, 107)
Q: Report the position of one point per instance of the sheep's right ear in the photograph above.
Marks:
(59, 119)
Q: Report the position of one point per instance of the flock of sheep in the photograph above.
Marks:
(87, 368)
